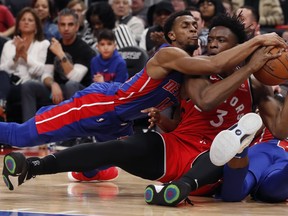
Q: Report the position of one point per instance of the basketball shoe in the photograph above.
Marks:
(108, 174)
(170, 194)
(234, 140)
(17, 167)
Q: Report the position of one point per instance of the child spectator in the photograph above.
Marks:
(108, 66)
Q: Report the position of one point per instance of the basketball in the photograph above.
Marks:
(275, 71)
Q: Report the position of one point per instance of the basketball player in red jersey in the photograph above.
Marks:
(143, 155)
(217, 101)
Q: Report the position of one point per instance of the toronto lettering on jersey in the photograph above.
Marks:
(234, 102)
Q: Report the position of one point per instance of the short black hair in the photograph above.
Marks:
(104, 12)
(170, 22)
(233, 23)
(106, 34)
(255, 13)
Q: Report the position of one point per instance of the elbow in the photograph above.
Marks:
(206, 105)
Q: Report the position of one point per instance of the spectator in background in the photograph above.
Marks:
(122, 10)
(7, 22)
(108, 66)
(270, 12)
(209, 9)
(250, 19)
(203, 40)
(153, 37)
(139, 9)
(227, 4)
(79, 7)
(100, 15)
(179, 5)
(45, 9)
(23, 58)
(66, 68)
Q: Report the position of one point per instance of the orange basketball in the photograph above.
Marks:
(275, 71)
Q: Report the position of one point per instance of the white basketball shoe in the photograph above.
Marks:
(234, 140)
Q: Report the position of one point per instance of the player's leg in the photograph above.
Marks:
(274, 187)
(272, 184)
(238, 181)
(85, 114)
(203, 172)
(228, 142)
(241, 178)
(141, 155)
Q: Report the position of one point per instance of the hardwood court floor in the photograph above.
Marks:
(124, 196)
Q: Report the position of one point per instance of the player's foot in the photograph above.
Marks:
(15, 166)
(170, 194)
(103, 175)
(233, 140)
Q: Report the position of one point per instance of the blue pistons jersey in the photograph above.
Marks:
(107, 108)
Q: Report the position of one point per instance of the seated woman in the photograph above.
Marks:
(23, 57)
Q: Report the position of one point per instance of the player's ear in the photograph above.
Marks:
(172, 36)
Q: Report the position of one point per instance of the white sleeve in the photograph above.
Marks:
(77, 73)
(142, 43)
(48, 72)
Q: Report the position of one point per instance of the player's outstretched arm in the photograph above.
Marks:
(208, 96)
(172, 58)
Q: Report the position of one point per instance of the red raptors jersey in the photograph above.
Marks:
(197, 129)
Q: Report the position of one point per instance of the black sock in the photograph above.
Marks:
(37, 165)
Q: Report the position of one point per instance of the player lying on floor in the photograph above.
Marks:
(168, 156)
(260, 170)
(215, 89)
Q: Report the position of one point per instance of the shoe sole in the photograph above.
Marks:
(227, 143)
(9, 169)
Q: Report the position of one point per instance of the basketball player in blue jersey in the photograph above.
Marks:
(261, 170)
(106, 111)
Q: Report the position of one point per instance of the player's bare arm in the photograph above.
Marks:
(273, 113)
(208, 96)
(172, 58)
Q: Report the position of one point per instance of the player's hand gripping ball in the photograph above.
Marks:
(275, 71)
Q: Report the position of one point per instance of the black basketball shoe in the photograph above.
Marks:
(15, 165)
(170, 194)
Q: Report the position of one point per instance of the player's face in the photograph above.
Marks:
(220, 39)
(106, 48)
(184, 33)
